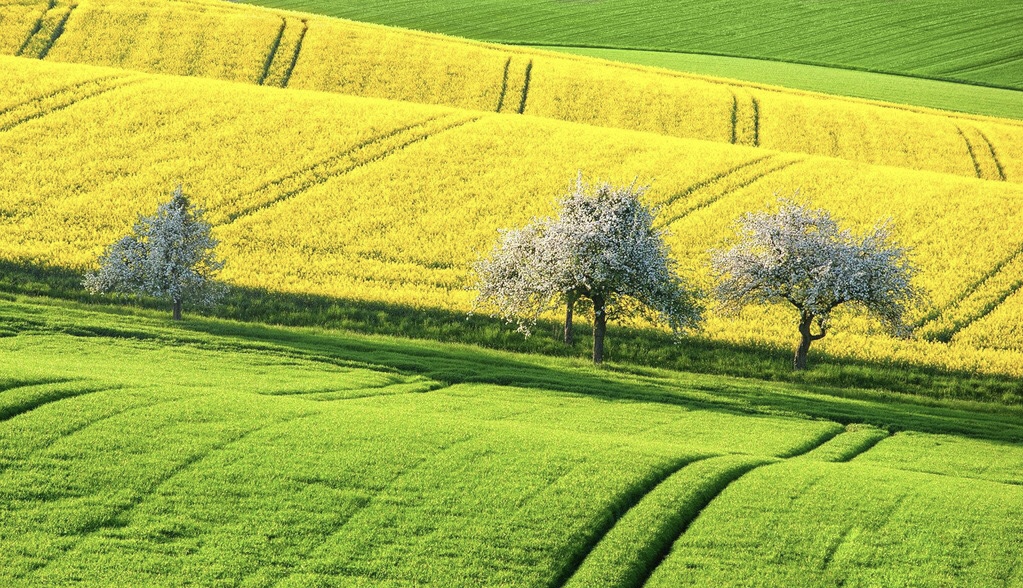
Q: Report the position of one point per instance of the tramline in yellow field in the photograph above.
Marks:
(391, 202)
(248, 44)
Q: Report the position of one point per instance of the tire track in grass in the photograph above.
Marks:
(630, 549)
(368, 151)
(60, 100)
(139, 497)
(81, 427)
(339, 528)
(847, 445)
(23, 399)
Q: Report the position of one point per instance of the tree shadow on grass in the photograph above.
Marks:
(897, 397)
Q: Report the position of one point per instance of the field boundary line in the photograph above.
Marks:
(354, 163)
(139, 498)
(272, 55)
(504, 85)
(294, 56)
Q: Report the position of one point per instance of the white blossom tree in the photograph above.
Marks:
(169, 255)
(602, 246)
(799, 256)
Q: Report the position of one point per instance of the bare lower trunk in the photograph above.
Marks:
(569, 308)
(599, 329)
(177, 310)
(805, 339)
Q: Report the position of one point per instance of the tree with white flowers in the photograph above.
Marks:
(169, 255)
(799, 256)
(603, 247)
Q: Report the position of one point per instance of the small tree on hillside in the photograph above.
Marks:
(602, 246)
(799, 256)
(169, 255)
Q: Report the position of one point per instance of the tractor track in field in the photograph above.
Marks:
(976, 288)
(272, 55)
(728, 176)
(645, 564)
(62, 99)
(50, 5)
(29, 404)
(986, 165)
(745, 118)
(139, 498)
(43, 36)
(368, 151)
(504, 86)
(336, 530)
(294, 55)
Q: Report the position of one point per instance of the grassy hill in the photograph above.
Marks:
(391, 202)
(247, 44)
(211, 452)
(951, 40)
(893, 88)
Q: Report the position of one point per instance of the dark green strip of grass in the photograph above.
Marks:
(639, 347)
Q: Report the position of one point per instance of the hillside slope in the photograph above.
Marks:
(247, 44)
(943, 39)
(392, 201)
(136, 452)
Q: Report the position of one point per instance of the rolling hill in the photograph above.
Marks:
(247, 44)
(135, 452)
(387, 201)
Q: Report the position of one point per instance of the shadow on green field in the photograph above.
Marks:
(897, 397)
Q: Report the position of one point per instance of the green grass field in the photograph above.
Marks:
(135, 451)
(955, 40)
(899, 89)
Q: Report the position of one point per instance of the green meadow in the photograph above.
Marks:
(956, 40)
(140, 451)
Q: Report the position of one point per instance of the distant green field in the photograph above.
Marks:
(956, 40)
(829, 80)
(133, 451)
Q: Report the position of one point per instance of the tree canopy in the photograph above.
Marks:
(603, 246)
(799, 256)
(169, 255)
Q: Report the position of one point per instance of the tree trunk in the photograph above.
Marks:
(569, 307)
(599, 329)
(805, 338)
(177, 310)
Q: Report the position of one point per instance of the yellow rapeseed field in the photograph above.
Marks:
(247, 44)
(391, 201)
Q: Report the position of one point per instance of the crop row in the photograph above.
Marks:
(249, 44)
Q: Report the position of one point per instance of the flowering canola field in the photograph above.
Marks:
(389, 201)
(226, 41)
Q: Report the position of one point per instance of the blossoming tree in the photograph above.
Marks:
(169, 255)
(799, 256)
(602, 246)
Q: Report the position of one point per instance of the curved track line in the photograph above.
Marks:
(29, 404)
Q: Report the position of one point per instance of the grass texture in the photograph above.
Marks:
(216, 452)
(952, 40)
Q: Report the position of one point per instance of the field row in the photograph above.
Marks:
(157, 458)
(252, 45)
(392, 202)
(955, 39)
